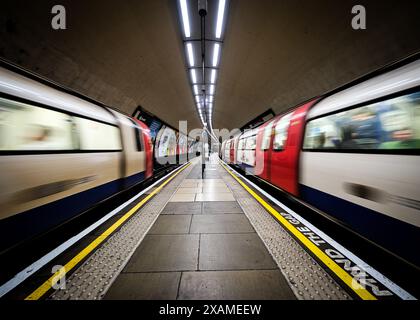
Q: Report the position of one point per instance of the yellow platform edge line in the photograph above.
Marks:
(331, 264)
(48, 284)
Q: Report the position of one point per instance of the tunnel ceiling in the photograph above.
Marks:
(276, 54)
(123, 53)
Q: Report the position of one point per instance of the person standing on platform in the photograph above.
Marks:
(203, 151)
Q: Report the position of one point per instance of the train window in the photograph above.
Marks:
(392, 124)
(251, 142)
(281, 132)
(24, 127)
(97, 136)
(137, 135)
(241, 144)
(265, 145)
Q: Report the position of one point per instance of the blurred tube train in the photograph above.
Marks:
(62, 153)
(353, 154)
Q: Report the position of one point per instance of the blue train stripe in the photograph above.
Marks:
(393, 234)
(26, 225)
(133, 179)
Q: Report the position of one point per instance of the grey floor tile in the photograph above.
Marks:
(194, 175)
(220, 223)
(235, 285)
(215, 197)
(188, 190)
(183, 197)
(182, 208)
(233, 252)
(171, 224)
(218, 207)
(145, 286)
(165, 253)
(211, 176)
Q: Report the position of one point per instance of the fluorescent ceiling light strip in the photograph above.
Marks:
(193, 76)
(195, 88)
(216, 53)
(213, 76)
(185, 18)
(190, 54)
(220, 14)
(212, 87)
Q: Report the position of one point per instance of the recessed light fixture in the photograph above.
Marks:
(213, 76)
(193, 76)
(195, 88)
(185, 18)
(190, 54)
(216, 53)
(220, 15)
(212, 88)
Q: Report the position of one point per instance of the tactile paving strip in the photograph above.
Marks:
(95, 276)
(306, 277)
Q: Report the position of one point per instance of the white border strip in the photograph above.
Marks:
(400, 292)
(34, 267)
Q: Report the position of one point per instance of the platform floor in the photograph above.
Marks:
(202, 246)
(200, 238)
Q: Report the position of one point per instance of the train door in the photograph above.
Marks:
(246, 153)
(235, 148)
(232, 151)
(263, 150)
(280, 174)
(287, 140)
(227, 151)
(147, 141)
(240, 150)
